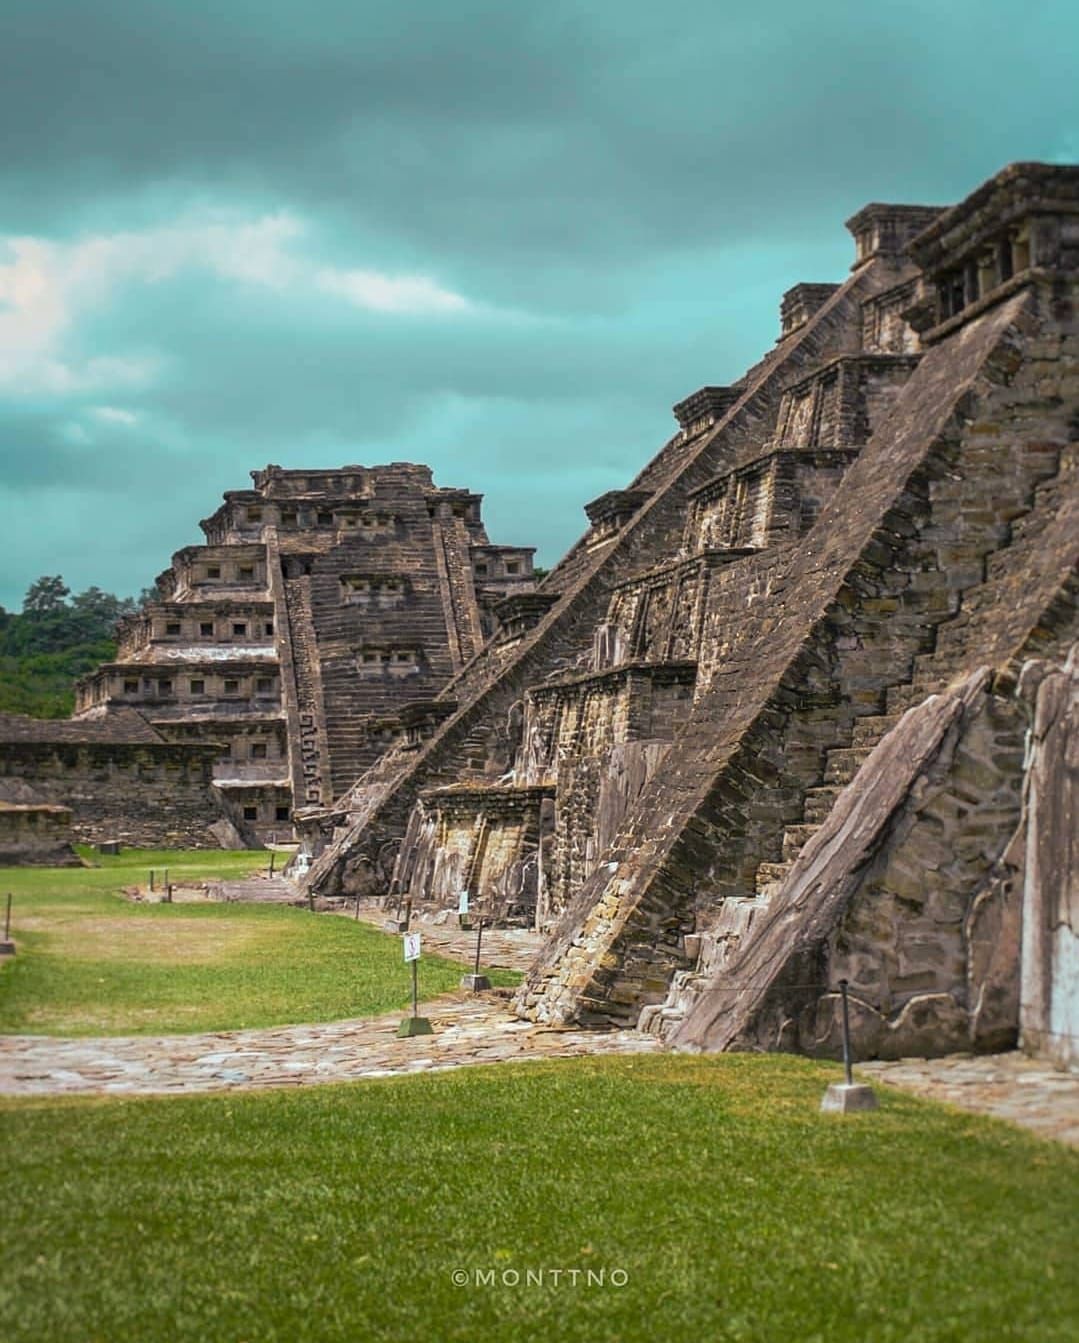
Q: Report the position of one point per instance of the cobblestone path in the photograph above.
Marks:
(467, 1031)
(1009, 1086)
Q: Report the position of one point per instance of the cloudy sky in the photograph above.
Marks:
(499, 237)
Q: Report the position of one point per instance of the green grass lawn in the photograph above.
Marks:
(91, 962)
(735, 1210)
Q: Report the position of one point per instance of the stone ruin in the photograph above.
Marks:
(33, 831)
(313, 629)
(800, 705)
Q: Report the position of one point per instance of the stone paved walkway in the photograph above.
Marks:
(500, 948)
(467, 1031)
(1009, 1086)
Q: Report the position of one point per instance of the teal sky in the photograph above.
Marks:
(501, 238)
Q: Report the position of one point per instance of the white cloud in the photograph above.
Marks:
(114, 415)
(390, 293)
(46, 286)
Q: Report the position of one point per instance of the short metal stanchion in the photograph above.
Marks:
(475, 982)
(847, 1096)
(7, 946)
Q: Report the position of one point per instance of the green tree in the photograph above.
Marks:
(49, 593)
(52, 642)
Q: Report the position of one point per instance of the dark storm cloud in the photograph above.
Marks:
(606, 198)
(562, 128)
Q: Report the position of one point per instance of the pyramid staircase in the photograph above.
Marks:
(931, 671)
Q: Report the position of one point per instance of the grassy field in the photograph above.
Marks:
(710, 1193)
(91, 962)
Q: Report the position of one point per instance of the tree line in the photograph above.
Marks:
(56, 637)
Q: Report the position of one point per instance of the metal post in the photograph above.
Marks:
(415, 990)
(847, 1097)
(151, 879)
(168, 893)
(479, 939)
(357, 906)
(7, 919)
(273, 855)
(846, 1034)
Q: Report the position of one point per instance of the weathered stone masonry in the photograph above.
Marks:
(272, 669)
(879, 514)
(116, 777)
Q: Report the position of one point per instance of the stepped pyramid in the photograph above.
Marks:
(322, 603)
(763, 727)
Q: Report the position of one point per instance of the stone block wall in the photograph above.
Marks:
(486, 841)
(36, 835)
(904, 891)
(145, 794)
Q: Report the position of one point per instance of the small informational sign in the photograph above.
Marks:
(412, 947)
(462, 902)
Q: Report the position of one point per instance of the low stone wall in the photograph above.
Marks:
(148, 794)
(36, 836)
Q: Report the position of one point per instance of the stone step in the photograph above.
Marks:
(843, 764)
(870, 730)
(769, 874)
(795, 838)
(819, 803)
(899, 699)
(934, 670)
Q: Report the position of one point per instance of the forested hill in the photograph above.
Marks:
(54, 639)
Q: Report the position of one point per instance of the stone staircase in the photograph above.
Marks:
(951, 652)
(304, 649)
(841, 764)
(736, 916)
(716, 948)
(462, 615)
(930, 671)
(351, 693)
